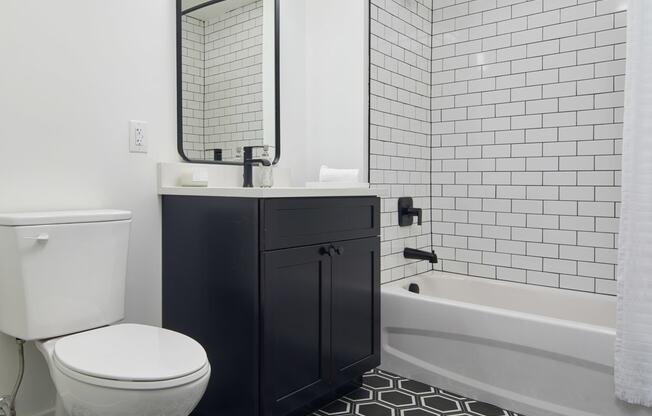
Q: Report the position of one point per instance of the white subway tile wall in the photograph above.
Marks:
(400, 125)
(526, 135)
(234, 80)
(222, 82)
(527, 111)
(192, 51)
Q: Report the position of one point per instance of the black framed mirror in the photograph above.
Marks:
(228, 83)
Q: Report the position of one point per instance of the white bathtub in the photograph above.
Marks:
(534, 350)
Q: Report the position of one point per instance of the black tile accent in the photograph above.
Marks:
(386, 394)
(485, 409)
(377, 382)
(415, 387)
(441, 404)
(397, 398)
(338, 407)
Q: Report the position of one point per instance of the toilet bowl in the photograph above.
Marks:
(126, 370)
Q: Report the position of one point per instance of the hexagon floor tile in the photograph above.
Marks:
(386, 394)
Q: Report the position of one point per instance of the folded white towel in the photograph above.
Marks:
(327, 174)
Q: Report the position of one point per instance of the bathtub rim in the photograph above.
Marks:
(398, 288)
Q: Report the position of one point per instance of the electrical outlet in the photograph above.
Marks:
(137, 136)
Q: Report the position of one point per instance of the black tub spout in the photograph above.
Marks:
(411, 253)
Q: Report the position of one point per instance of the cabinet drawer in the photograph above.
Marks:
(303, 221)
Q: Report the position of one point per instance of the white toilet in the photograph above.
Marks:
(62, 283)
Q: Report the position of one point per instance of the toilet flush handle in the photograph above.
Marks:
(39, 238)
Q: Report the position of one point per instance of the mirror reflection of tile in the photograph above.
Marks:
(222, 84)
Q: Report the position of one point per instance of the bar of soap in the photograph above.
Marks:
(195, 178)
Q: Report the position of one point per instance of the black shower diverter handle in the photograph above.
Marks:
(415, 212)
(406, 212)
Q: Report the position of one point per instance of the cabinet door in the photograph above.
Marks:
(355, 309)
(296, 328)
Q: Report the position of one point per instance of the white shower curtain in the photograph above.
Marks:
(633, 361)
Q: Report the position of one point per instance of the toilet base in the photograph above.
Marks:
(59, 410)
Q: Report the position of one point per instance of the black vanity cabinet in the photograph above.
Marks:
(282, 293)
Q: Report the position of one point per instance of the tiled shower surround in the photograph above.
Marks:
(526, 132)
(400, 128)
(222, 84)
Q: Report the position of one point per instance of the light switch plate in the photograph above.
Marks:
(137, 136)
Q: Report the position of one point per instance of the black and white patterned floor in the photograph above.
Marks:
(386, 394)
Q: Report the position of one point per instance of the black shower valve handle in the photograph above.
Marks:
(407, 212)
(416, 212)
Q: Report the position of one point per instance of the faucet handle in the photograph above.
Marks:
(251, 148)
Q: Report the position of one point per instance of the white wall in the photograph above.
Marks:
(293, 97)
(74, 73)
(325, 54)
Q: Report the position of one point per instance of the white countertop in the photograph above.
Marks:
(226, 180)
(267, 192)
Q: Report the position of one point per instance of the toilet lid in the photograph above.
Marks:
(131, 352)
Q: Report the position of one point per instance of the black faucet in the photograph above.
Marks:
(249, 162)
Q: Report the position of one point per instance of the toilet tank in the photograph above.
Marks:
(62, 272)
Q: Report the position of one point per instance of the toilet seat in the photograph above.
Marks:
(129, 356)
